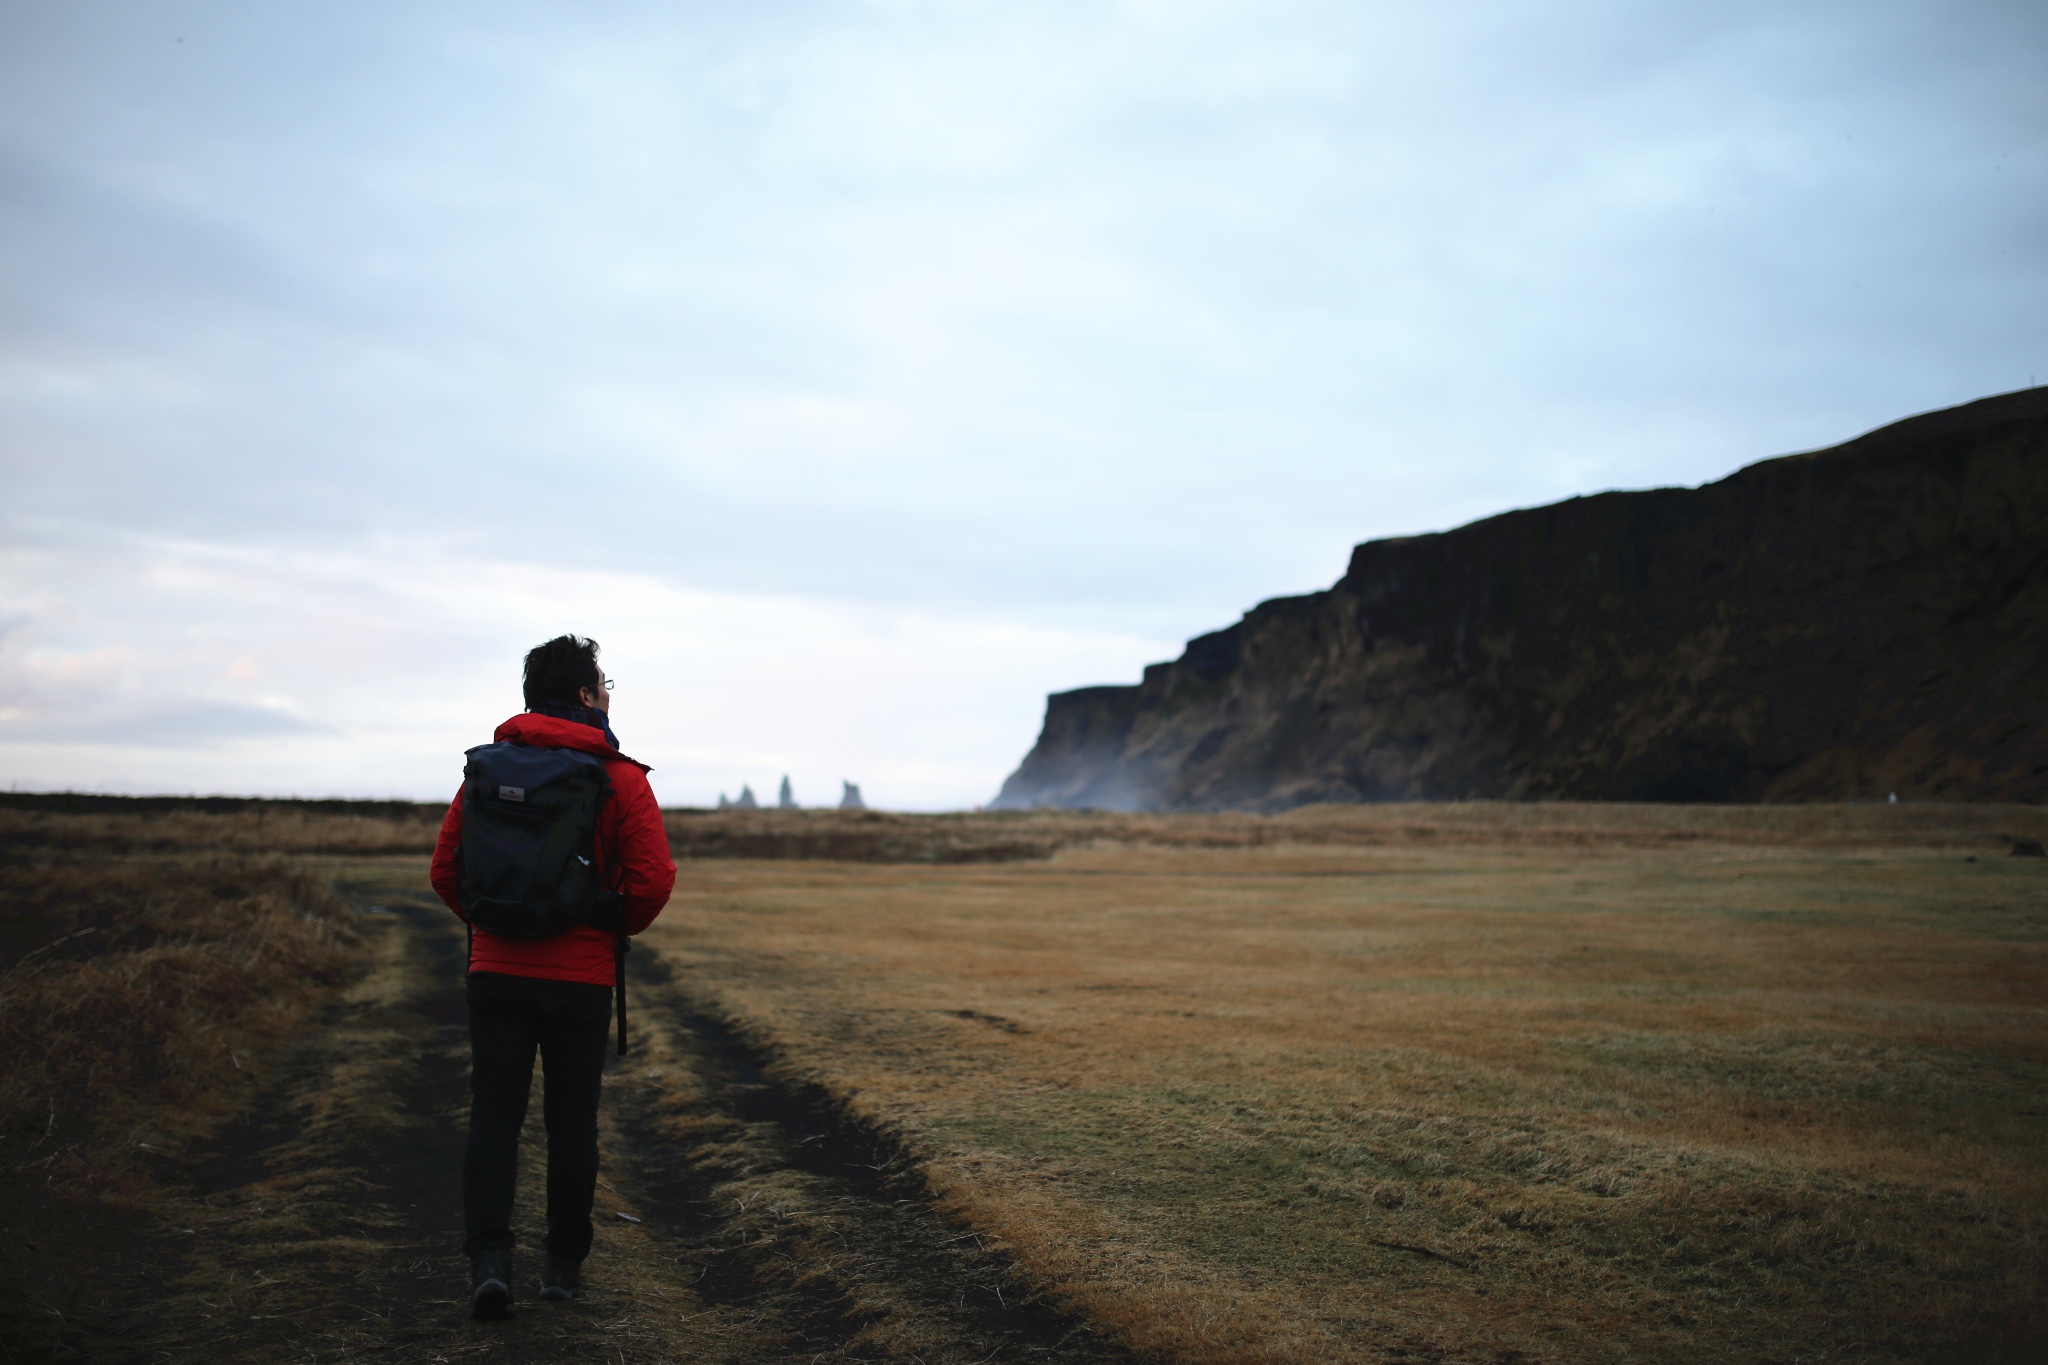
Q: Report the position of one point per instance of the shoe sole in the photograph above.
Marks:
(555, 1293)
(491, 1302)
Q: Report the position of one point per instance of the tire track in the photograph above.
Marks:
(737, 1221)
(790, 1211)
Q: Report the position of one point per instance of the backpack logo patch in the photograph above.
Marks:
(511, 793)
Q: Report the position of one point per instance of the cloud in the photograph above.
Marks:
(190, 723)
(369, 672)
(1052, 334)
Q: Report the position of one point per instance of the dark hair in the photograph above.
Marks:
(557, 670)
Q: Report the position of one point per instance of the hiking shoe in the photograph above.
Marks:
(490, 1286)
(559, 1280)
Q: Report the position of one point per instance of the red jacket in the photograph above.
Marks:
(632, 858)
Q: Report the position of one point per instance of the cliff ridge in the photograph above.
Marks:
(1838, 624)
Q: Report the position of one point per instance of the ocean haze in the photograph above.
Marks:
(860, 374)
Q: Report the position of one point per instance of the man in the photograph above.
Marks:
(554, 994)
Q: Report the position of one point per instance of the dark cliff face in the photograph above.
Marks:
(1845, 623)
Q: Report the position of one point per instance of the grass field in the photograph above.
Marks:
(139, 997)
(1445, 1089)
(1457, 1083)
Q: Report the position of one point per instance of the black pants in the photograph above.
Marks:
(510, 1017)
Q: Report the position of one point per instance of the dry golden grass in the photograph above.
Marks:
(1469, 1082)
(269, 827)
(380, 828)
(1011, 836)
(1473, 1083)
(137, 997)
(146, 980)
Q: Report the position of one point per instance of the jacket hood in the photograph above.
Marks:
(548, 732)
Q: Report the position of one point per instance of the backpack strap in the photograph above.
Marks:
(468, 928)
(620, 976)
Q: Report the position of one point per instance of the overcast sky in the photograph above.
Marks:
(859, 373)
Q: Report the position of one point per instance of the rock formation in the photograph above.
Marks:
(746, 801)
(786, 799)
(850, 798)
(1839, 624)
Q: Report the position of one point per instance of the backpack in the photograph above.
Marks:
(529, 847)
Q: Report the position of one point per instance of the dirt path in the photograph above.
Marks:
(736, 1221)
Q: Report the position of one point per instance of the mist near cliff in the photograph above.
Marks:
(859, 374)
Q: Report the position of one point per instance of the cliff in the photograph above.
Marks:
(1839, 624)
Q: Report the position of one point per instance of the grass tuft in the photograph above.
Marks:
(138, 999)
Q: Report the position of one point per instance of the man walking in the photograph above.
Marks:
(543, 989)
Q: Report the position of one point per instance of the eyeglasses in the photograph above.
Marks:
(610, 683)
